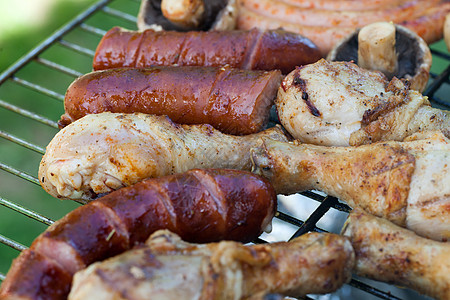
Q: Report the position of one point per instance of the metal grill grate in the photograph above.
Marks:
(31, 96)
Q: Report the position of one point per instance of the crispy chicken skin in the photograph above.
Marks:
(405, 182)
(168, 268)
(396, 255)
(103, 152)
(341, 104)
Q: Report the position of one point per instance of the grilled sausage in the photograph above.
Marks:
(253, 50)
(350, 5)
(426, 18)
(324, 37)
(199, 205)
(34, 276)
(231, 100)
(337, 17)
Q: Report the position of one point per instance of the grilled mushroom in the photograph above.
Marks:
(184, 15)
(390, 48)
(447, 31)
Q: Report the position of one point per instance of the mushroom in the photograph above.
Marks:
(185, 15)
(447, 31)
(390, 48)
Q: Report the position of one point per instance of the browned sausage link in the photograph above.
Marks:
(199, 205)
(280, 10)
(324, 37)
(253, 49)
(34, 276)
(350, 5)
(233, 101)
(427, 23)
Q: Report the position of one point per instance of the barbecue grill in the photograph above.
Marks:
(31, 101)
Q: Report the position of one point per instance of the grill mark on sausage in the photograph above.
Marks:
(138, 49)
(220, 75)
(167, 203)
(253, 45)
(209, 184)
(182, 47)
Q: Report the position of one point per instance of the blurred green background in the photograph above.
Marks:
(23, 26)
(26, 23)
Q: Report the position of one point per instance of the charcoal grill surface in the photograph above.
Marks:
(31, 101)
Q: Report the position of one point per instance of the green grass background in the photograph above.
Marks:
(15, 42)
(20, 33)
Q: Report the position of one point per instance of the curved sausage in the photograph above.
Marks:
(233, 101)
(338, 17)
(324, 37)
(34, 276)
(344, 4)
(199, 205)
(254, 49)
(427, 23)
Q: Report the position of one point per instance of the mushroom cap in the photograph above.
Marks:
(414, 55)
(447, 31)
(217, 13)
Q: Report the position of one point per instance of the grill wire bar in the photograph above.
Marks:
(25, 211)
(326, 203)
(52, 39)
(28, 114)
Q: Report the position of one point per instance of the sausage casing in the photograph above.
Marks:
(233, 101)
(34, 276)
(245, 49)
(426, 19)
(199, 205)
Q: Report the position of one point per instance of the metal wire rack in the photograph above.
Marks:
(31, 100)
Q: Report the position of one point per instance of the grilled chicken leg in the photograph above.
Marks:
(341, 104)
(169, 268)
(103, 152)
(395, 255)
(405, 182)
